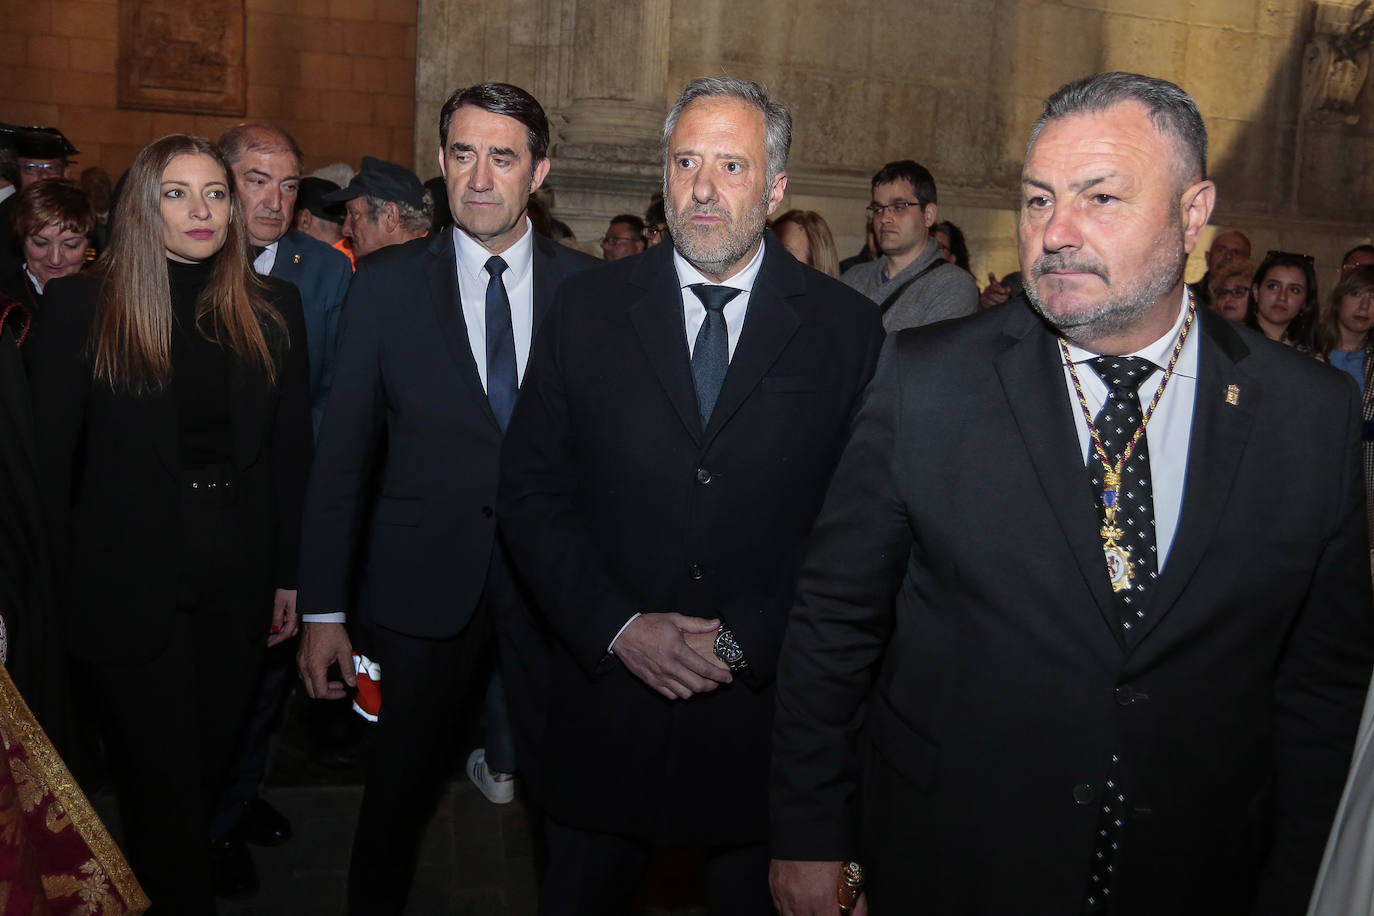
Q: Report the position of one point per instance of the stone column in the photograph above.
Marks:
(607, 158)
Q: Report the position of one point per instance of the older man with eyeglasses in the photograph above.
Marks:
(912, 282)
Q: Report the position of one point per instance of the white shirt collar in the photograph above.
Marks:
(687, 275)
(1159, 352)
(38, 287)
(472, 257)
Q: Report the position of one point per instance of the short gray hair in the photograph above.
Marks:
(414, 219)
(1172, 111)
(777, 120)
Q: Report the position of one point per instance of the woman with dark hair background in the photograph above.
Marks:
(950, 238)
(52, 225)
(1283, 299)
(170, 388)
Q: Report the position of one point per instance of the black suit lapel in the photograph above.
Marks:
(656, 314)
(1032, 375)
(441, 271)
(545, 279)
(285, 266)
(769, 324)
(1220, 431)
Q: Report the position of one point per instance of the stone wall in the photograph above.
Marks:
(953, 85)
(338, 74)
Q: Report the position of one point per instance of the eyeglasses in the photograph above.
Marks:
(37, 168)
(618, 240)
(1289, 254)
(898, 207)
(1234, 292)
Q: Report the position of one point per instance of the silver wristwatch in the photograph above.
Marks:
(728, 651)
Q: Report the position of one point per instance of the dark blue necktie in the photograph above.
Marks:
(711, 353)
(502, 382)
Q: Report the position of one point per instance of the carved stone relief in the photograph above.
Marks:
(182, 57)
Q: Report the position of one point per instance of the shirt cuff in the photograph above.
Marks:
(334, 617)
(609, 649)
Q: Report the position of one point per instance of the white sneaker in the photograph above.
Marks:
(499, 788)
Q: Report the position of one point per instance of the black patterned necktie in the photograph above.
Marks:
(711, 352)
(503, 382)
(1111, 830)
(1135, 515)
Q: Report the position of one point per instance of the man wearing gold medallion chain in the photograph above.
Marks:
(1102, 666)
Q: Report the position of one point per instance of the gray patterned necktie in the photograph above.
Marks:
(711, 352)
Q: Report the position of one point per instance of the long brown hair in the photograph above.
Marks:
(1328, 335)
(132, 335)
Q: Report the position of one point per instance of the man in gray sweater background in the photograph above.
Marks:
(912, 281)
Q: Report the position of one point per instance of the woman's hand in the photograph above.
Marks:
(285, 622)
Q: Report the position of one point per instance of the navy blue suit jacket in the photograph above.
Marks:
(322, 275)
(406, 475)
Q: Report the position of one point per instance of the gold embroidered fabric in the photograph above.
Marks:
(55, 854)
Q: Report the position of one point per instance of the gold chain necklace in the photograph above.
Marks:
(1120, 567)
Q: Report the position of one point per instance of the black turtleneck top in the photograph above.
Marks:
(200, 372)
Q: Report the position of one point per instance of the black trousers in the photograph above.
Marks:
(170, 725)
(170, 722)
(428, 688)
(600, 874)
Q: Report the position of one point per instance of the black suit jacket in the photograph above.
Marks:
(615, 501)
(109, 465)
(955, 679)
(406, 387)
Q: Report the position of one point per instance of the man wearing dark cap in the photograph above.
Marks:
(385, 204)
(320, 219)
(41, 153)
(435, 340)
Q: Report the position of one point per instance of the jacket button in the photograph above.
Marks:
(486, 511)
(703, 475)
(1125, 696)
(695, 571)
(1083, 794)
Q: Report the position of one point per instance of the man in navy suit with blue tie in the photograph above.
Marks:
(436, 337)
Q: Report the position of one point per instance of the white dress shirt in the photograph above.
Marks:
(472, 288)
(1169, 429)
(264, 262)
(519, 281)
(694, 313)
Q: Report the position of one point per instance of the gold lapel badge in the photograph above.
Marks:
(296, 259)
(1233, 395)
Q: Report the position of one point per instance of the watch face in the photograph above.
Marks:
(727, 650)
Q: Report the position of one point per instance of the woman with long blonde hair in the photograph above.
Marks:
(170, 389)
